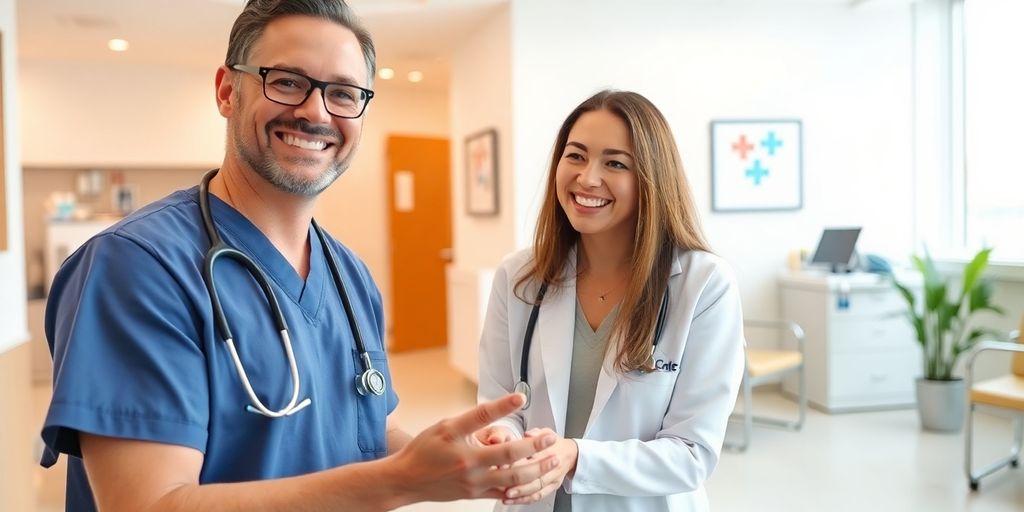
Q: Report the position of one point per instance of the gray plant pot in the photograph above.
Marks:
(940, 404)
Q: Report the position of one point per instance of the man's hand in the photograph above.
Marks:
(565, 452)
(444, 463)
(491, 435)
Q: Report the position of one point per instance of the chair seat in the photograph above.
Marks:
(1006, 392)
(765, 362)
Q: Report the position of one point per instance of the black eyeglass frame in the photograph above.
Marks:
(262, 72)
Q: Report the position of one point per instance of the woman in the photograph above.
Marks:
(637, 348)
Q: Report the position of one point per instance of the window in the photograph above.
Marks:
(993, 127)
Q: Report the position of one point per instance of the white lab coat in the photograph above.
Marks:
(652, 439)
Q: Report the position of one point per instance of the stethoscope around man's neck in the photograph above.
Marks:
(370, 382)
(523, 386)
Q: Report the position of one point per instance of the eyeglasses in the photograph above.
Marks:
(293, 89)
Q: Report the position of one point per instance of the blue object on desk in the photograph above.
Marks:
(877, 264)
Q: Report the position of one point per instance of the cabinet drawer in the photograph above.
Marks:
(871, 334)
(873, 379)
(865, 303)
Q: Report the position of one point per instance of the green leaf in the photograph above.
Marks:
(943, 321)
(973, 271)
(934, 295)
(980, 296)
(918, 322)
(907, 295)
(946, 312)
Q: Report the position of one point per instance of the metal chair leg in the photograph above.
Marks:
(1012, 460)
(789, 424)
(748, 418)
(968, 448)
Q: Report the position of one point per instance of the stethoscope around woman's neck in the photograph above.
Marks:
(370, 382)
(523, 386)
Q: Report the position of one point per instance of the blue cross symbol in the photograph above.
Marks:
(771, 143)
(757, 172)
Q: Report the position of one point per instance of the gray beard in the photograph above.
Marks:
(268, 169)
(263, 163)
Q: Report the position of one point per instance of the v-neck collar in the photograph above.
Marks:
(239, 232)
(603, 327)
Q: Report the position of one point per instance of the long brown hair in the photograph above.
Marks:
(666, 220)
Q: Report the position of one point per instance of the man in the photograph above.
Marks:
(172, 389)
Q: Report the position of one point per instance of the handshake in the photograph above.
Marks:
(562, 452)
(467, 457)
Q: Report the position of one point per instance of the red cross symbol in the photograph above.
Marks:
(742, 146)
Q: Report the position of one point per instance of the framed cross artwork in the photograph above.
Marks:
(482, 173)
(756, 165)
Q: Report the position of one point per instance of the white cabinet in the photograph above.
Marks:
(468, 293)
(861, 352)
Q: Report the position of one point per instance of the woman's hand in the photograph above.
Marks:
(564, 450)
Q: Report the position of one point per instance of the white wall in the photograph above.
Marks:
(845, 72)
(165, 116)
(78, 114)
(355, 208)
(481, 90)
(16, 487)
(12, 262)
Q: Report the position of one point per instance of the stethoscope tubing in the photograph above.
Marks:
(371, 381)
(523, 385)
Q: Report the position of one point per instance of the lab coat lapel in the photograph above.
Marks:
(609, 379)
(555, 334)
(606, 383)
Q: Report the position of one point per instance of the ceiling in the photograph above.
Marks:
(409, 34)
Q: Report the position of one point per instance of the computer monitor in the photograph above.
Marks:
(836, 248)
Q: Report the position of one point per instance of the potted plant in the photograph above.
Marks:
(941, 321)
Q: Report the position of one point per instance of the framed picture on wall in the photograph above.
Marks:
(482, 173)
(756, 165)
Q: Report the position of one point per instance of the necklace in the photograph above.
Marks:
(603, 296)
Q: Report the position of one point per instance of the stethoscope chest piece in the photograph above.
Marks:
(524, 388)
(371, 382)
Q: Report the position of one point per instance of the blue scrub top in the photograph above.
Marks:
(137, 354)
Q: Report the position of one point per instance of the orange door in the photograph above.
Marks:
(421, 239)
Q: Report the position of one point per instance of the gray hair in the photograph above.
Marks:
(257, 14)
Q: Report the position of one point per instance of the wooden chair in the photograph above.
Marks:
(1003, 396)
(770, 366)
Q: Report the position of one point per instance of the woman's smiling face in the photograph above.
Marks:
(595, 179)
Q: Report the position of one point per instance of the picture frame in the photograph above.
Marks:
(482, 173)
(756, 165)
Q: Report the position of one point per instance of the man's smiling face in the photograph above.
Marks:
(299, 149)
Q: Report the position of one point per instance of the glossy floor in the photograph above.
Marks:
(878, 461)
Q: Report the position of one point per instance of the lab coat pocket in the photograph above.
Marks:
(373, 409)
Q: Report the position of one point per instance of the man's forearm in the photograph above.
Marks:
(366, 486)
(397, 439)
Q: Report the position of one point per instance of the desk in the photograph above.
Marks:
(861, 352)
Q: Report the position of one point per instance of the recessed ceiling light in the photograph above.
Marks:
(117, 45)
(386, 73)
(415, 76)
